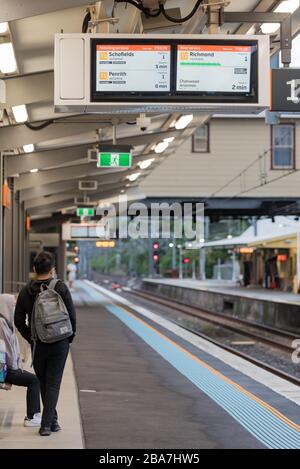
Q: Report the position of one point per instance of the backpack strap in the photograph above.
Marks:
(53, 283)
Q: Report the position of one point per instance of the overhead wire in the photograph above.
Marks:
(162, 11)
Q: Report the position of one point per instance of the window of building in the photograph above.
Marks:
(283, 146)
(200, 139)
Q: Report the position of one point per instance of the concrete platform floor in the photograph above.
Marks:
(228, 287)
(13, 435)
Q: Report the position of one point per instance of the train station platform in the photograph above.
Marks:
(12, 412)
(267, 307)
(136, 380)
(146, 383)
(231, 288)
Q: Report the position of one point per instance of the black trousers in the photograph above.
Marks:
(49, 363)
(29, 381)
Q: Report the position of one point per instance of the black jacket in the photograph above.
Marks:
(26, 301)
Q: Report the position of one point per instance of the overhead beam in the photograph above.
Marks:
(61, 174)
(12, 10)
(67, 203)
(50, 158)
(29, 89)
(46, 201)
(41, 160)
(18, 135)
(64, 186)
(263, 6)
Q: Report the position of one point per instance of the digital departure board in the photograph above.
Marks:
(213, 68)
(133, 68)
(174, 70)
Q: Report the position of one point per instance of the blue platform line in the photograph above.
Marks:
(264, 422)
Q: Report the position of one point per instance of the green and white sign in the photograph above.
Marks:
(114, 160)
(114, 156)
(85, 212)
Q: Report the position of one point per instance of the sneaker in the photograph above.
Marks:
(45, 431)
(55, 427)
(34, 422)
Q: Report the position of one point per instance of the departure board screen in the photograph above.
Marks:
(174, 70)
(133, 68)
(214, 68)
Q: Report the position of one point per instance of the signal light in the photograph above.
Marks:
(186, 260)
(155, 246)
(76, 248)
(155, 257)
(76, 260)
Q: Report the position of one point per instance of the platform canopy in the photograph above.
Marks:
(47, 151)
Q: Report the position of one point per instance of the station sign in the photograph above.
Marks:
(285, 95)
(115, 157)
(85, 211)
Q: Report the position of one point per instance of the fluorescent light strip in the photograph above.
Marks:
(8, 62)
(133, 176)
(20, 113)
(146, 163)
(161, 147)
(184, 121)
(169, 139)
(28, 148)
(35, 170)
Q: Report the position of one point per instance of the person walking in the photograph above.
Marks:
(48, 358)
(15, 373)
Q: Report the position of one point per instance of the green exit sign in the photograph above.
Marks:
(114, 160)
(114, 156)
(85, 212)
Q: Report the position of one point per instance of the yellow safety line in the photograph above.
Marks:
(278, 414)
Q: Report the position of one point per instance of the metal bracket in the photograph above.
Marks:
(284, 19)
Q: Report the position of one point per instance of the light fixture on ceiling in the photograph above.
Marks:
(3, 27)
(146, 163)
(8, 62)
(169, 139)
(184, 121)
(20, 113)
(161, 147)
(287, 6)
(269, 28)
(28, 148)
(202, 240)
(133, 177)
(35, 170)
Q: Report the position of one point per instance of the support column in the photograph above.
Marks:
(202, 264)
(8, 240)
(1, 221)
(61, 258)
(150, 257)
(298, 260)
(214, 12)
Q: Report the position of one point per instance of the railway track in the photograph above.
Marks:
(275, 338)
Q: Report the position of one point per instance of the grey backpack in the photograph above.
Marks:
(50, 321)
